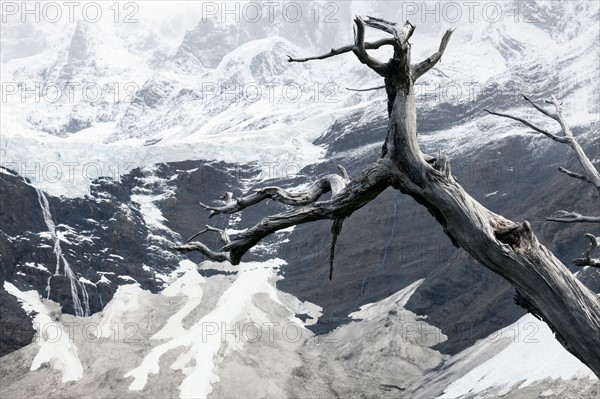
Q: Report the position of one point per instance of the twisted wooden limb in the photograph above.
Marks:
(588, 260)
(345, 49)
(330, 183)
(386, 26)
(422, 67)
(400, 33)
(354, 195)
(361, 52)
(222, 233)
(571, 217)
(530, 125)
(218, 256)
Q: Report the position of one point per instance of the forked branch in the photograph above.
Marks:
(222, 233)
(191, 246)
(354, 195)
(591, 174)
(540, 108)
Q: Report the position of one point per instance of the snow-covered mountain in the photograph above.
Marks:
(137, 122)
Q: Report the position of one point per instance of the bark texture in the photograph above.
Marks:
(545, 287)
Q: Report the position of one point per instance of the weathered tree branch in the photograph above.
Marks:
(383, 25)
(198, 246)
(330, 183)
(571, 217)
(529, 124)
(369, 89)
(574, 175)
(588, 260)
(591, 175)
(540, 108)
(218, 256)
(544, 285)
(222, 233)
(345, 49)
(422, 67)
(357, 193)
(354, 195)
(361, 51)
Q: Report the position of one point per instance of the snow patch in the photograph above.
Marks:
(189, 285)
(53, 340)
(400, 298)
(205, 343)
(127, 278)
(37, 266)
(128, 299)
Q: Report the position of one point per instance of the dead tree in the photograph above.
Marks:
(590, 174)
(544, 286)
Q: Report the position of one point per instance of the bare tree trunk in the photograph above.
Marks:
(545, 287)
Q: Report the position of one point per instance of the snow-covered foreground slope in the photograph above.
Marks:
(532, 355)
(167, 344)
(523, 356)
(233, 334)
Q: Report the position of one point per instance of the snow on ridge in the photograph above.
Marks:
(372, 310)
(127, 278)
(36, 265)
(189, 285)
(205, 348)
